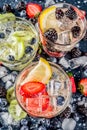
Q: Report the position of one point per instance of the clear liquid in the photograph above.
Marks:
(58, 86)
(9, 46)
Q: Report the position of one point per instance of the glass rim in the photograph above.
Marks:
(67, 101)
(65, 45)
(18, 62)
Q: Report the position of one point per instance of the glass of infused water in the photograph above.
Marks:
(43, 89)
(19, 41)
(61, 26)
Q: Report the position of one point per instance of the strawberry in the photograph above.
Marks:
(33, 9)
(82, 86)
(72, 82)
(80, 13)
(35, 103)
(30, 89)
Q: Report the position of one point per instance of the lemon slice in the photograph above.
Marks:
(41, 73)
(48, 13)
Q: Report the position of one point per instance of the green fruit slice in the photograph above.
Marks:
(16, 111)
(23, 35)
(10, 94)
(7, 17)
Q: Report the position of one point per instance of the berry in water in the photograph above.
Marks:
(76, 31)
(51, 34)
(71, 14)
(59, 13)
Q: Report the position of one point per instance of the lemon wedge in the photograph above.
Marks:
(42, 72)
(48, 13)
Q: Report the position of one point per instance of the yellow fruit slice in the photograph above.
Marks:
(41, 73)
(44, 16)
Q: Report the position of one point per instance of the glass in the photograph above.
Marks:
(63, 23)
(58, 89)
(19, 43)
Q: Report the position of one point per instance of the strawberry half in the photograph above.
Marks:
(83, 86)
(33, 9)
(40, 101)
(72, 82)
(30, 89)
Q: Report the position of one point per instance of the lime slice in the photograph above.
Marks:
(16, 111)
(7, 17)
(10, 94)
(23, 35)
(41, 73)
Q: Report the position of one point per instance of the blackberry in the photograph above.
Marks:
(2, 92)
(75, 31)
(33, 20)
(7, 8)
(82, 109)
(75, 52)
(66, 113)
(59, 13)
(21, 6)
(71, 14)
(51, 34)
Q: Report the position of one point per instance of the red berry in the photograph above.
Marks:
(30, 89)
(83, 86)
(72, 82)
(33, 9)
(35, 103)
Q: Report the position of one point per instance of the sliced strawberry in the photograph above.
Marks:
(72, 82)
(33, 9)
(39, 102)
(83, 86)
(30, 89)
(79, 12)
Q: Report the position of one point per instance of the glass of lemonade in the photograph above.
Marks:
(49, 102)
(61, 26)
(19, 41)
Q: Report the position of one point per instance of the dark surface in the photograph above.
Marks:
(79, 113)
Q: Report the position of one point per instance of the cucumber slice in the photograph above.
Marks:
(10, 94)
(16, 111)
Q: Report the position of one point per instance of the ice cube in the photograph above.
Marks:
(49, 2)
(3, 71)
(53, 87)
(6, 117)
(64, 62)
(8, 84)
(68, 124)
(6, 78)
(65, 37)
(76, 62)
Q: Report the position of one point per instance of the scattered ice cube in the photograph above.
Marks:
(6, 78)
(3, 71)
(64, 62)
(76, 62)
(68, 124)
(8, 84)
(49, 2)
(6, 117)
(65, 37)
